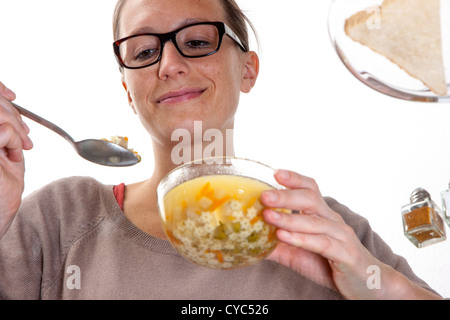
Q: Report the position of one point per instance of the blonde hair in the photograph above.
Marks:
(236, 20)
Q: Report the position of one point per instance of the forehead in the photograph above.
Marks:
(166, 15)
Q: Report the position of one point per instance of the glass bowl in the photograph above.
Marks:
(371, 68)
(212, 214)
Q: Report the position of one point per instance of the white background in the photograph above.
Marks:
(307, 112)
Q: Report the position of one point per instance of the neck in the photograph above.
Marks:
(212, 143)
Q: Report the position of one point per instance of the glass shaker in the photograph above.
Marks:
(423, 221)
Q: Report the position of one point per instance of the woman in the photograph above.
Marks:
(76, 238)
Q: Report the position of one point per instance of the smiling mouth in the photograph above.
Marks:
(180, 95)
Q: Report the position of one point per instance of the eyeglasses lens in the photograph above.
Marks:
(192, 41)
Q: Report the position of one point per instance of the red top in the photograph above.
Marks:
(119, 193)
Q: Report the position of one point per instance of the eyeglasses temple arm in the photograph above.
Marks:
(234, 36)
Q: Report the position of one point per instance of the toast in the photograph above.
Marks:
(408, 33)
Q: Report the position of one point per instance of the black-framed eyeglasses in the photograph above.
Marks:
(193, 41)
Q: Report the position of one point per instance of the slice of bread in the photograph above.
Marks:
(407, 32)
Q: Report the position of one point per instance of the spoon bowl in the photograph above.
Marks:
(95, 150)
(105, 153)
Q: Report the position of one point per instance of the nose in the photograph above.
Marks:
(172, 63)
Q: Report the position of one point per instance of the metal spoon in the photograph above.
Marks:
(95, 150)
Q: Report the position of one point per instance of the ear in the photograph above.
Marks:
(250, 71)
(130, 100)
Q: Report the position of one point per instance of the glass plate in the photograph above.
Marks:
(371, 68)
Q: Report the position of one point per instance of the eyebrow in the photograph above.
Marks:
(184, 23)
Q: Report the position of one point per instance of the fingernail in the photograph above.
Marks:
(11, 95)
(284, 234)
(271, 196)
(30, 144)
(275, 215)
(283, 174)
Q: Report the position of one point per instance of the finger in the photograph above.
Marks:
(309, 224)
(9, 114)
(11, 142)
(306, 201)
(19, 118)
(324, 245)
(294, 199)
(9, 108)
(7, 93)
(303, 195)
(10, 96)
(294, 180)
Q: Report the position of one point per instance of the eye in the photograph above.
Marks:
(197, 44)
(145, 55)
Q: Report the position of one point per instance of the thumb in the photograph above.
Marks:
(7, 93)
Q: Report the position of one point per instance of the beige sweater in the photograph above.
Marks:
(70, 240)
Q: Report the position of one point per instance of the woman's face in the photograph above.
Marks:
(177, 91)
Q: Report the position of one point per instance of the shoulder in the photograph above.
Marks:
(68, 185)
(72, 189)
(67, 204)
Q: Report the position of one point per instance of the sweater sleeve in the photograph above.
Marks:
(373, 242)
(48, 222)
(21, 255)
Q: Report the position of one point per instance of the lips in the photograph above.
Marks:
(180, 95)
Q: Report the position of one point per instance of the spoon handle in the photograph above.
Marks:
(43, 122)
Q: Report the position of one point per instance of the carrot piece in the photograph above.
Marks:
(219, 256)
(216, 204)
(173, 238)
(255, 219)
(203, 191)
